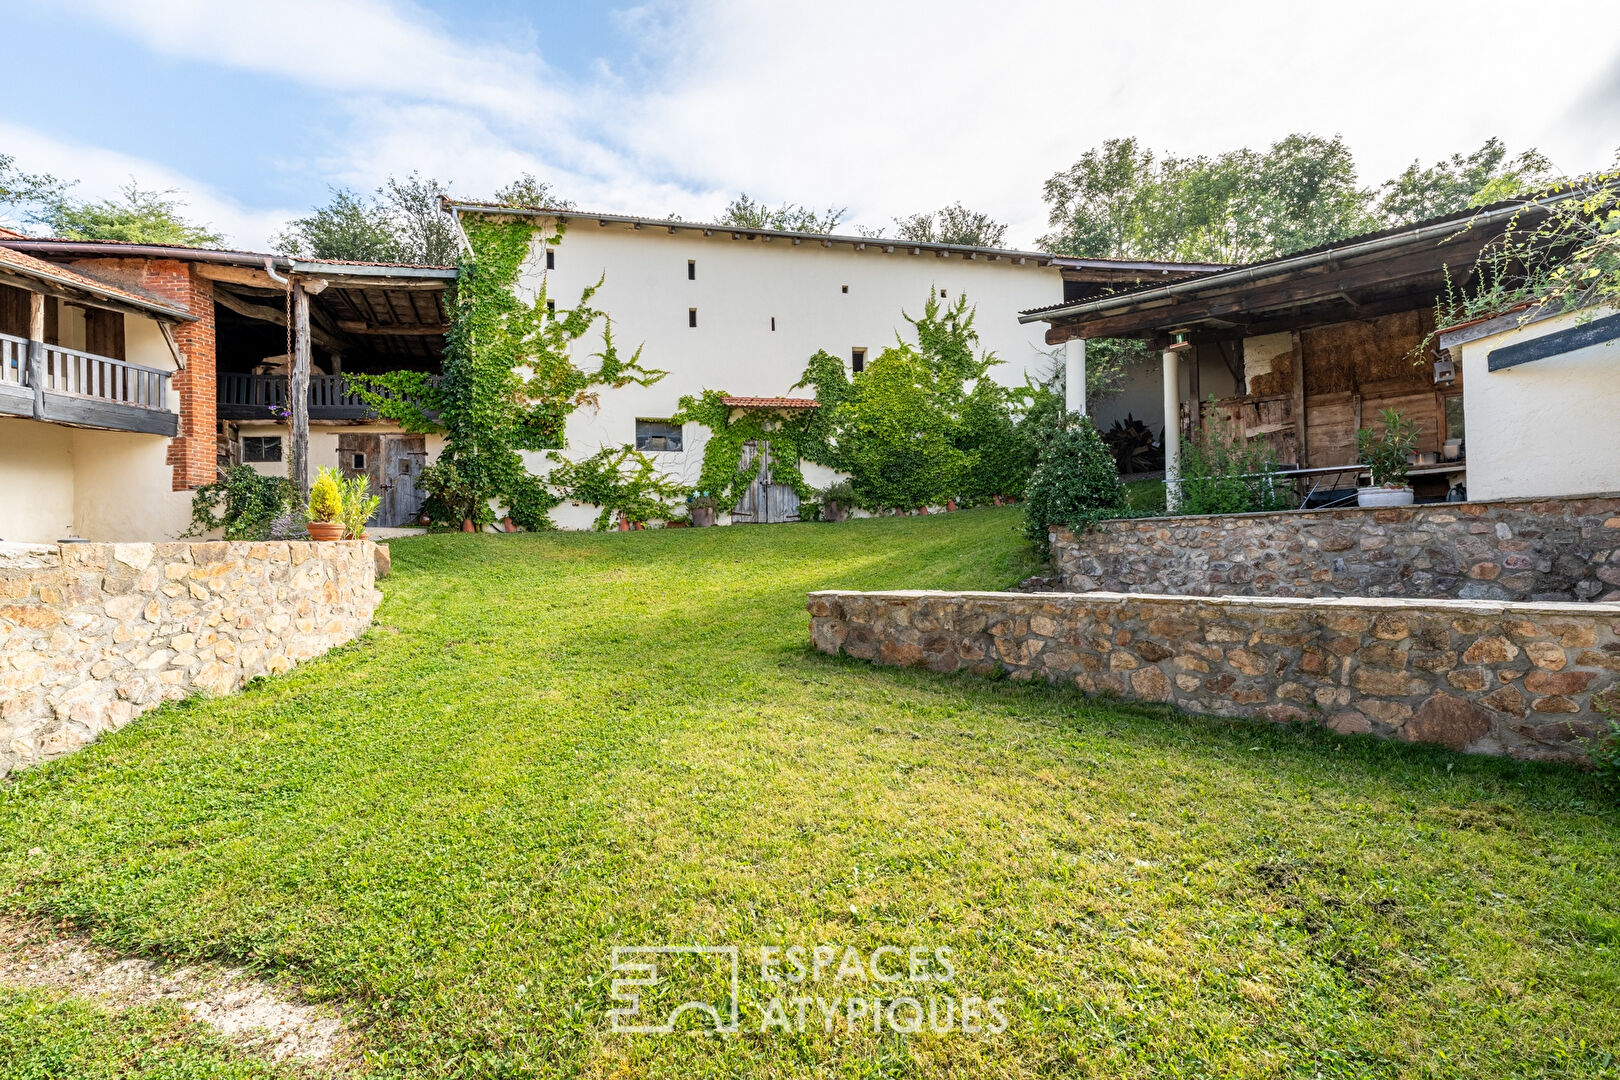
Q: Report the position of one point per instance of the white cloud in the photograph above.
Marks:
(101, 173)
(889, 108)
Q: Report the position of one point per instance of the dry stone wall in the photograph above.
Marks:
(1521, 679)
(1515, 549)
(91, 635)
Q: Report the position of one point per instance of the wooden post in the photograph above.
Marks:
(1195, 391)
(298, 394)
(1300, 442)
(36, 351)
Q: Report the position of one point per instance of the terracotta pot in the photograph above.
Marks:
(998, 500)
(424, 519)
(702, 517)
(922, 510)
(468, 526)
(326, 530)
(950, 505)
(624, 526)
(506, 523)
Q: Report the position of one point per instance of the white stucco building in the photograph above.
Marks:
(743, 310)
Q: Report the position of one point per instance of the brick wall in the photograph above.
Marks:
(193, 452)
(92, 635)
(1514, 549)
(1485, 677)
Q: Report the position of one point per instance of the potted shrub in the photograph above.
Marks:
(325, 510)
(701, 509)
(358, 505)
(1385, 454)
(836, 500)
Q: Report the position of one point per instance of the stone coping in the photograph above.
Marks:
(1318, 511)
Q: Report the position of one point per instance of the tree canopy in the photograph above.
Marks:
(954, 224)
(748, 213)
(137, 214)
(403, 221)
(1122, 200)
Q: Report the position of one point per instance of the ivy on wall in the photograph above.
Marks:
(619, 480)
(509, 380)
(792, 436)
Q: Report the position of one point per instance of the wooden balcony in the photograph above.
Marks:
(80, 388)
(264, 397)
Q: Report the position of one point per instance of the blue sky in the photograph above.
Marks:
(887, 108)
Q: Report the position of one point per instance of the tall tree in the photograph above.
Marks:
(21, 190)
(530, 191)
(1487, 175)
(139, 215)
(403, 221)
(747, 213)
(954, 224)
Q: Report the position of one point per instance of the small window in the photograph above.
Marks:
(551, 307)
(773, 324)
(843, 288)
(654, 435)
(551, 259)
(691, 269)
(357, 462)
(261, 448)
(942, 294)
(857, 359)
(691, 316)
(1454, 416)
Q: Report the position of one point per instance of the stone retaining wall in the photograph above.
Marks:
(1495, 678)
(91, 635)
(1515, 549)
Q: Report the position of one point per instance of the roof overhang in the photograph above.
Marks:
(1359, 278)
(41, 276)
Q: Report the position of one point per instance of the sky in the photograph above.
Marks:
(254, 111)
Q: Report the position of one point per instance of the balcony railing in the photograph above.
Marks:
(264, 397)
(82, 388)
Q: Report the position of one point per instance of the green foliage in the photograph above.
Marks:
(792, 436)
(1223, 472)
(326, 495)
(1000, 457)
(532, 193)
(1604, 751)
(1122, 200)
(138, 216)
(242, 505)
(1565, 259)
(358, 504)
(1385, 453)
(509, 382)
(954, 224)
(1074, 483)
(746, 213)
(1487, 175)
(895, 439)
(403, 221)
(619, 480)
(22, 189)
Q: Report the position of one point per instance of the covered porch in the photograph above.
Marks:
(1316, 344)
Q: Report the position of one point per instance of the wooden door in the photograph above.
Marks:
(361, 455)
(763, 501)
(403, 458)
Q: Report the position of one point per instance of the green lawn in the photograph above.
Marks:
(554, 744)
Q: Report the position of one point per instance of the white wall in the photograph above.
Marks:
(1141, 392)
(1549, 427)
(741, 285)
(323, 443)
(36, 480)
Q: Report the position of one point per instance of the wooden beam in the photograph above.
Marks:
(36, 351)
(1298, 406)
(265, 312)
(298, 394)
(237, 275)
(350, 326)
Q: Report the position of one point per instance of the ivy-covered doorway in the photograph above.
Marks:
(763, 501)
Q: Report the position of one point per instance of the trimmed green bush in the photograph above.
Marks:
(1075, 482)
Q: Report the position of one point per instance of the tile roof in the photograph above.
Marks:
(181, 250)
(770, 403)
(39, 269)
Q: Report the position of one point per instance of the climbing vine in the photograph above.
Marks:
(618, 480)
(509, 380)
(792, 436)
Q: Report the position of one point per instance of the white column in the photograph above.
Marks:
(1172, 429)
(1074, 383)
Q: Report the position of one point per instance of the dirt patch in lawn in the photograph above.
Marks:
(248, 1011)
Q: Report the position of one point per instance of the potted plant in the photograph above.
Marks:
(836, 500)
(702, 508)
(1385, 455)
(325, 511)
(358, 505)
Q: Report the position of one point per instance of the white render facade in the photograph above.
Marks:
(763, 303)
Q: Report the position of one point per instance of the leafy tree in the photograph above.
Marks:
(404, 221)
(138, 215)
(1121, 201)
(746, 213)
(952, 225)
(1487, 175)
(895, 441)
(529, 191)
(21, 189)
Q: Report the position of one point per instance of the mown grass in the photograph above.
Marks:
(554, 744)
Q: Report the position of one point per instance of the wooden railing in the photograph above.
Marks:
(263, 397)
(86, 375)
